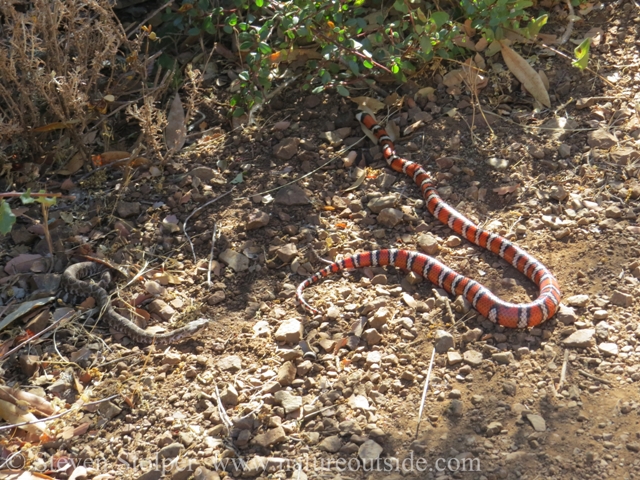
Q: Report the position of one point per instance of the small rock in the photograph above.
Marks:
(331, 444)
(271, 437)
(171, 451)
(578, 300)
(503, 358)
(286, 374)
(380, 317)
(229, 396)
(372, 336)
(162, 309)
(289, 401)
(601, 139)
(566, 315)
(621, 299)
(236, 261)
(472, 358)
(510, 388)
(494, 428)
(369, 451)
(471, 336)
(290, 331)
(580, 338)
(390, 217)
(374, 357)
(607, 348)
(376, 205)
(231, 363)
(564, 150)
(257, 219)
(287, 148)
(206, 174)
(453, 357)
(600, 315)
(558, 193)
(456, 408)
(537, 422)
(443, 341)
(291, 195)
(287, 252)
(453, 241)
(216, 298)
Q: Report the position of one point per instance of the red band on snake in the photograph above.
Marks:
(511, 315)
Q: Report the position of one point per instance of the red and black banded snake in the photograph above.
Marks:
(511, 315)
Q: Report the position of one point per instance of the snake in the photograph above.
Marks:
(510, 315)
(71, 283)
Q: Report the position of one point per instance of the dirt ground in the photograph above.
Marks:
(557, 401)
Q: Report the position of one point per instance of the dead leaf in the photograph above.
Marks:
(506, 189)
(67, 185)
(361, 175)
(526, 75)
(55, 126)
(12, 415)
(22, 263)
(424, 92)
(106, 158)
(73, 165)
(413, 127)
(481, 44)
(176, 132)
(595, 34)
(393, 130)
(368, 104)
(393, 100)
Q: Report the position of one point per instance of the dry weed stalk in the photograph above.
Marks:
(55, 59)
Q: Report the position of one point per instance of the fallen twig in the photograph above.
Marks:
(424, 391)
(593, 377)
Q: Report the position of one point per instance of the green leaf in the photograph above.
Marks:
(27, 198)
(46, 201)
(582, 54)
(193, 31)
(238, 112)
(7, 218)
(239, 179)
(342, 91)
(259, 3)
(440, 18)
(367, 64)
(400, 6)
(534, 26)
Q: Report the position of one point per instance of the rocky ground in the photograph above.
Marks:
(338, 395)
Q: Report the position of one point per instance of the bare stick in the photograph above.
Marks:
(563, 373)
(593, 377)
(424, 392)
(567, 33)
(39, 334)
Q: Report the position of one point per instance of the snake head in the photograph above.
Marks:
(198, 324)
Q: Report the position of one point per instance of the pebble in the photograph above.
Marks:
(453, 241)
(231, 363)
(621, 299)
(600, 315)
(289, 331)
(580, 338)
(286, 374)
(287, 148)
(376, 205)
(257, 219)
(471, 336)
(428, 244)
(380, 317)
(601, 139)
(331, 444)
(453, 357)
(291, 195)
(578, 300)
(390, 217)
(472, 358)
(509, 388)
(369, 451)
(503, 358)
(234, 260)
(566, 315)
(171, 451)
(443, 341)
(270, 437)
(229, 395)
(537, 422)
(607, 348)
(494, 428)
(372, 336)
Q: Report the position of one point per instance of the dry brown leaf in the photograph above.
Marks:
(424, 92)
(545, 80)
(453, 78)
(175, 134)
(526, 75)
(361, 175)
(393, 100)
(67, 185)
(368, 104)
(54, 126)
(481, 44)
(13, 415)
(283, 125)
(21, 263)
(73, 165)
(105, 158)
(393, 130)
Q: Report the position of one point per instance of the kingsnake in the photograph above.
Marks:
(72, 284)
(510, 315)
